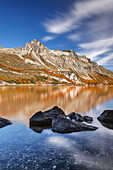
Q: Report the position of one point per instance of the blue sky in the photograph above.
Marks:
(85, 26)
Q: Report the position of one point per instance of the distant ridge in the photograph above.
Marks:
(35, 63)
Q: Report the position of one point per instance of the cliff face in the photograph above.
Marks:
(35, 63)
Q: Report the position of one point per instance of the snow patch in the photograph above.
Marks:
(10, 71)
(37, 58)
(60, 52)
(2, 70)
(30, 62)
(50, 62)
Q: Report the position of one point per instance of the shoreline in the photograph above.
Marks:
(51, 85)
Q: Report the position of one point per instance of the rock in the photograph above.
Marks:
(88, 119)
(76, 117)
(43, 120)
(106, 119)
(64, 125)
(106, 116)
(55, 111)
(56, 119)
(4, 122)
(39, 119)
(108, 125)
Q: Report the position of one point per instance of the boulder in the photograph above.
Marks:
(55, 111)
(106, 116)
(39, 119)
(56, 119)
(4, 122)
(108, 125)
(64, 125)
(88, 119)
(76, 117)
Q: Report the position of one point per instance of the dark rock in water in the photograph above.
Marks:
(79, 118)
(108, 125)
(76, 117)
(106, 116)
(71, 115)
(39, 119)
(56, 119)
(55, 111)
(64, 125)
(43, 120)
(88, 119)
(4, 122)
(106, 119)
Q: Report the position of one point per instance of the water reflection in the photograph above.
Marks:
(21, 102)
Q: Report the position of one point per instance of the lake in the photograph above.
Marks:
(22, 148)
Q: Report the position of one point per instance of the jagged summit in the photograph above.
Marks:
(35, 61)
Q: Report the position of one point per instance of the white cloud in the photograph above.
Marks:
(90, 22)
(74, 37)
(47, 38)
(94, 53)
(96, 48)
(100, 27)
(100, 44)
(105, 60)
(79, 11)
(60, 141)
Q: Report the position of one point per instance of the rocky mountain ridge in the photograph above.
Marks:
(35, 63)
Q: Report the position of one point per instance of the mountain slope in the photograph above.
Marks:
(37, 64)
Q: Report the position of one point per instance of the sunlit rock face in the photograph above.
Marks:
(37, 64)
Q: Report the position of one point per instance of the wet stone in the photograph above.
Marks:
(88, 119)
(76, 116)
(39, 119)
(106, 116)
(63, 125)
(57, 120)
(4, 122)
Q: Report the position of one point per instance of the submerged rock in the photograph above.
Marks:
(4, 122)
(106, 116)
(64, 125)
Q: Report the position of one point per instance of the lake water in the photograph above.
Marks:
(22, 148)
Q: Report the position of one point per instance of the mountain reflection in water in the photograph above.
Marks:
(21, 102)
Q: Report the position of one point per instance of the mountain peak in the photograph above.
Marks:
(35, 41)
(34, 45)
